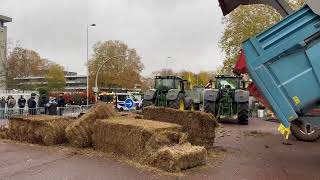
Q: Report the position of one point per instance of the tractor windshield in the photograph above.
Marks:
(232, 83)
(166, 83)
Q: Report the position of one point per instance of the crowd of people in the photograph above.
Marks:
(51, 106)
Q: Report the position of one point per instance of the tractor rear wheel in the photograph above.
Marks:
(304, 132)
(146, 103)
(243, 113)
(210, 107)
(179, 103)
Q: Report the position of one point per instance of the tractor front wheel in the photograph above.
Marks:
(243, 113)
(210, 107)
(179, 103)
(146, 103)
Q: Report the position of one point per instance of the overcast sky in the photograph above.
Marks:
(186, 30)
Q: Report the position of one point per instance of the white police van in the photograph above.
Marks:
(122, 97)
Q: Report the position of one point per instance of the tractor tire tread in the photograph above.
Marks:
(209, 107)
(243, 113)
(175, 103)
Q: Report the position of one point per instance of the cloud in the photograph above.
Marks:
(187, 30)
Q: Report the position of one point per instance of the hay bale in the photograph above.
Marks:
(148, 142)
(79, 133)
(134, 138)
(200, 126)
(41, 129)
(179, 157)
(3, 133)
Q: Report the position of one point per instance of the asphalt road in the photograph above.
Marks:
(241, 152)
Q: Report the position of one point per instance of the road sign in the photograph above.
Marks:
(128, 103)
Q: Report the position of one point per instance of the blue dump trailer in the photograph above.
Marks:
(284, 64)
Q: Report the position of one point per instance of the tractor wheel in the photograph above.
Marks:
(243, 113)
(179, 103)
(304, 132)
(210, 107)
(146, 103)
(197, 107)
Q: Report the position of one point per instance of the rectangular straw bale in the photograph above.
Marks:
(133, 138)
(179, 157)
(40, 129)
(148, 142)
(79, 133)
(199, 125)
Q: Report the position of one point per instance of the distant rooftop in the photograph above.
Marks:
(5, 19)
(43, 77)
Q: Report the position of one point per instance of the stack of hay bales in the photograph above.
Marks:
(199, 126)
(159, 144)
(79, 133)
(43, 130)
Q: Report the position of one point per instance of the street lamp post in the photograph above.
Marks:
(167, 61)
(96, 89)
(88, 72)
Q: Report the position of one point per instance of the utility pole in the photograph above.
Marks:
(88, 71)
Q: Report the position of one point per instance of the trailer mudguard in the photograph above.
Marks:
(241, 96)
(172, 94)
(211, 94)
(149, 95)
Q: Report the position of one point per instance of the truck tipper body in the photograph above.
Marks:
(284, 65)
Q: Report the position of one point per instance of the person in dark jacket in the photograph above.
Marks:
(52, 106)
(32, 105)
(2, 106)
(61, 104)
(43, 100)
(21, 103)
(11, 102)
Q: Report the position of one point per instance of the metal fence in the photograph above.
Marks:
(72, 110)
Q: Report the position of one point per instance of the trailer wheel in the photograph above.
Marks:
(243, 113)
(179, 103)
(210, 107)
(304, 132)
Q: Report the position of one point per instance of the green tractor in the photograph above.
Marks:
(228, 99)
(169, 91)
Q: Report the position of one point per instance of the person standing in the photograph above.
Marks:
(52, 106)
(2, 106)
(43, 100)
(32, 104)
(11, 103)
(61, 104)
(21, 103)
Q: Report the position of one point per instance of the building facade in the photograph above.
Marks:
(74, 82)
(3, 48)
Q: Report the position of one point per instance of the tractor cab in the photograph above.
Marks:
(169, 82)
(227, 82)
